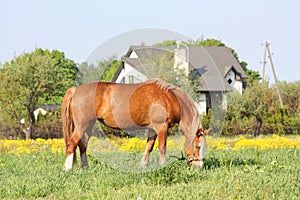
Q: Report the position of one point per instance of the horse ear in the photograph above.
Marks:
(206, 131)
(199, 132)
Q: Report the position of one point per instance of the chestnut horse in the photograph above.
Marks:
(154, 105)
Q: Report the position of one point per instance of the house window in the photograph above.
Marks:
(202, 97)
(229, 81)
(131, 79)
(123, 80)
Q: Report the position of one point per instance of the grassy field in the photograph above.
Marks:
(245, 173)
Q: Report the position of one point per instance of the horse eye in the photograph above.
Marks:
(198, 146)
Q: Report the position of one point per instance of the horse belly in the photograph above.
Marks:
(129, 119)
(119, 116)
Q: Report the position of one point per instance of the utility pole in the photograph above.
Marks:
(267, 49)
(264, 62)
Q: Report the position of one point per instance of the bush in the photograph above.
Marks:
(8, 128)
(48, 128)
(258, 111)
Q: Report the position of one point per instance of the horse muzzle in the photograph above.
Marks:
(196, 162)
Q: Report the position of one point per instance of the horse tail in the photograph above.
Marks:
(67, 119)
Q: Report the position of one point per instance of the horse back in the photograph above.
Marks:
(135, 105)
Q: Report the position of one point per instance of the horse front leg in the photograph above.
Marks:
(149, 148)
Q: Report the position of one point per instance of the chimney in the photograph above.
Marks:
(181, 58)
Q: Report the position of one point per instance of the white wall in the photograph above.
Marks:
(201, 104)
(133, 55)
(235, 84)
(238, 85)
(127, 71)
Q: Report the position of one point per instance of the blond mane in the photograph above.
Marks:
(162, 84)
(186, 102)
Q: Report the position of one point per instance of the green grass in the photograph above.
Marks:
(243, 174)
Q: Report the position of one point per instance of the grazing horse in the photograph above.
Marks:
(153, 105)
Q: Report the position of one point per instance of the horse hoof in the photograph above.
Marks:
(84, 166)
(162, 162)
(143, 164)
(66, 168)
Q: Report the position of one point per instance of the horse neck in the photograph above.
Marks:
(189, 124)
(189, 121)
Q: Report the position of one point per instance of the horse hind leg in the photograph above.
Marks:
(77, 139)
(82, 148)
(83, 143)
(71, 151)
(149, 147)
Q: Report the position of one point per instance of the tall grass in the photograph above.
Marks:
(227, 174)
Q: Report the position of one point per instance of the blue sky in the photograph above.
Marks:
(78, 27)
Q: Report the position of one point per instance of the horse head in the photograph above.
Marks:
(195, 150)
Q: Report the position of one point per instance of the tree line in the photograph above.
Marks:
(258, 110)
(42, 77)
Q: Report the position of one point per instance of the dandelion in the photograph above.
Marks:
(57, 146)
(238, 187)
(31, 146)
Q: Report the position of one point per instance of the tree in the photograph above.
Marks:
(251, 74)
(285, 120)
(67, 74)
(104, 70)
(110, 67)
(254, 103)
(259, 107)
(248, 110)
(209, 42)
(30, 79)
(291, 95)
(159, 66)
(166, 43)
(88, 73)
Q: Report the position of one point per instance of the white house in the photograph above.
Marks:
(219, 70)
(44, 109)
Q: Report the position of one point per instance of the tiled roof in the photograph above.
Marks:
(132, 61)
(49, 107)
(211, 63)
(149, 51)
(223, 58)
